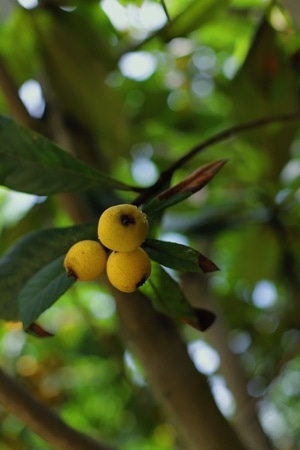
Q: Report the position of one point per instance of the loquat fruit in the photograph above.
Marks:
(128, 270)
(122, 228)
(85, 260)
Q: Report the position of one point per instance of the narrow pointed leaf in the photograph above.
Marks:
(167, 298)
(178, 256)
(33, 164)
(185, 188)
(42, 290)
(28, 256)
(195, 181)
(38, 331)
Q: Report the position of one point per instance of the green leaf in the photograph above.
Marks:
(178, 256)
(28, 256)
(33, 164)
(167, 298)
(42, 290)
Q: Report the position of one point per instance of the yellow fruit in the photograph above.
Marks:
(128, 270)
(122, 228)
(85, 260)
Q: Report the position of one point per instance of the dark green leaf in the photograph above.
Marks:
(28, 256)
(42, 290)
(33, 164)
(167, 298)
(178, 256)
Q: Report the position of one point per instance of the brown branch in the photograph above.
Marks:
(196, 289)
(41, 419)
(183, 391)
(215, 139)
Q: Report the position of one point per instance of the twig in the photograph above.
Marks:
(164, 6)
(41, 419)
(217, 138)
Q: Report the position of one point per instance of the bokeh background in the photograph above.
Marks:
(140, 83)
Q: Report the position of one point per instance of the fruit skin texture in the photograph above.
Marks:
(128, 270)
(122, 228)
(85, 260)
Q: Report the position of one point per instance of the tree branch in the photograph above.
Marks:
(215, 139)
(41, 419)
(246, 422)
(184, 392)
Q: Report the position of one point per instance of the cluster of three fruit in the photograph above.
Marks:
(121, 231)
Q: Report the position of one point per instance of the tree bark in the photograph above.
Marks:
(184, 392)
(245, 421)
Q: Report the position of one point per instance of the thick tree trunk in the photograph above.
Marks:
(245, 421)
(183, 391)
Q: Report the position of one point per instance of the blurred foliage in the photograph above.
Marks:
(214, 64)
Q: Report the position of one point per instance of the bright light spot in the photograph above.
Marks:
(203, 87)
(68, 8)
(205, 59)
(174, 79)
(12, 343)
(204, 357)
(264, 294)
(178, 100)
(290, 383)
(282, 195)
(32, 96)
(171, 236)
(291, 171)
(222, 395)
(28, 4)
(181, 47)
(230, 67)
(139, 20)
(152, 16)
(102, 306)
(278, 20)
(116, 13)
(133, 369)
(272, 420)
(138, 65)
(144, 171)
(239, 341)
(16, 205)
